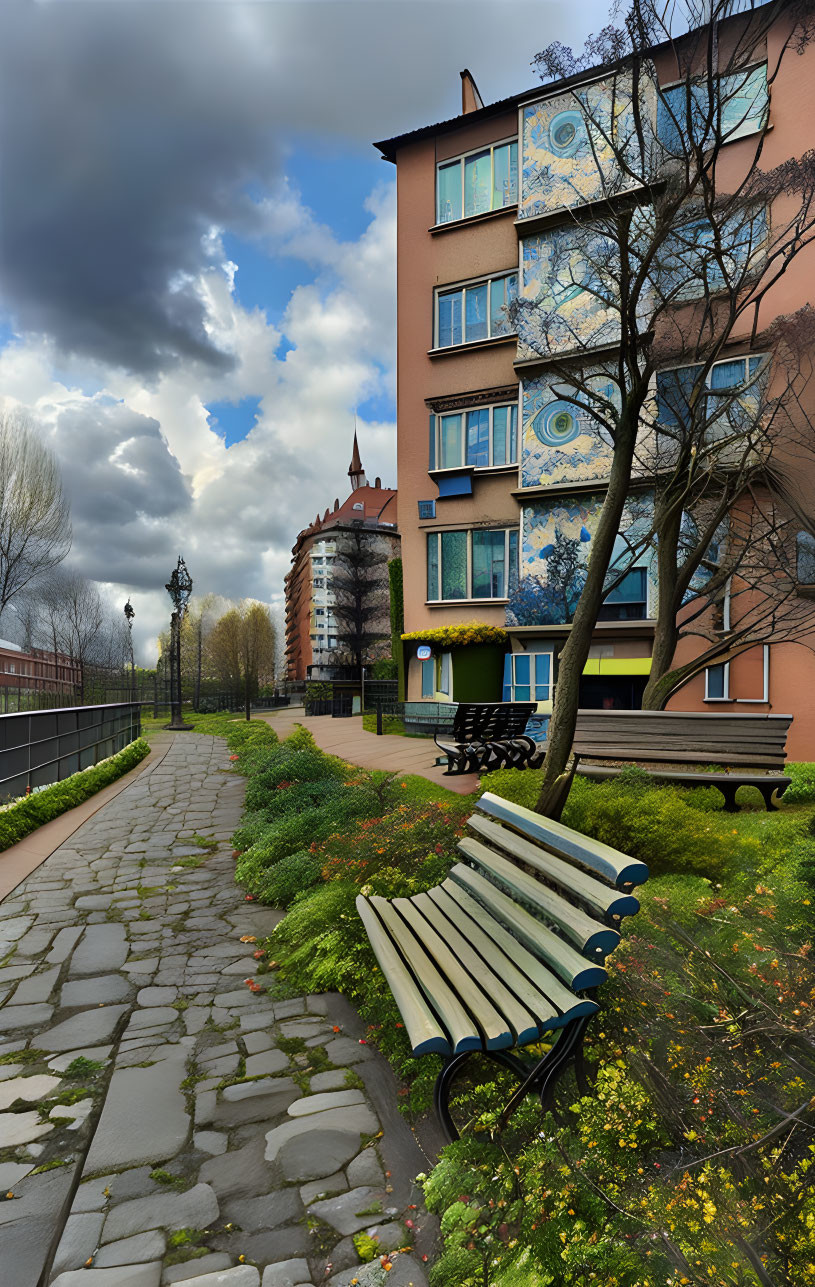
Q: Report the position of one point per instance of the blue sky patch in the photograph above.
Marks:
(233, 420)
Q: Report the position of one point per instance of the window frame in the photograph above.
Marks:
(460, 159)
(725, 665)
(747, 128)
(468, 531)
(751, 381)
(533, 684)
(437, 467)
(463, 287)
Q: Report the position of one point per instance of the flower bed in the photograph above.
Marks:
(690, 1162)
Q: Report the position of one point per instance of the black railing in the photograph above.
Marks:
(45, 746)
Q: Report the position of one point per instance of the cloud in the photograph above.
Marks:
(137, 138)
(148, 477)
(129, 130)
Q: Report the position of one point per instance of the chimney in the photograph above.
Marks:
(471, 100)
(336, 503)
(378, 482)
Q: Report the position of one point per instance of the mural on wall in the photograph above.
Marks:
(568, 293)
(556, 546)
(567, 145)
(569, 290)
(564, 442)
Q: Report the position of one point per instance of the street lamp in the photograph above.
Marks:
(179, 588)
(130, 614)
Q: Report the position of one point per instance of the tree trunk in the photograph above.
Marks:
(559, 766)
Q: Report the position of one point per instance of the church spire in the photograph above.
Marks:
(355, 472)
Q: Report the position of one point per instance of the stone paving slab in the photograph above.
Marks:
(152, 1129)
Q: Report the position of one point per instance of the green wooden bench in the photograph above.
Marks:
(508, 951)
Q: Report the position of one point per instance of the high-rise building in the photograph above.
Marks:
(502, 470)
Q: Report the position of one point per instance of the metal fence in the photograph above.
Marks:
(45, 746)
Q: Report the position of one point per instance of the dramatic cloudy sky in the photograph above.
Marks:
(197, 279)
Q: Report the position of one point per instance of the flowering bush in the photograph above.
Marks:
(402, 841)
(468, 632)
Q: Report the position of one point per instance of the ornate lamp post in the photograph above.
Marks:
(130, 614)
(179, 588)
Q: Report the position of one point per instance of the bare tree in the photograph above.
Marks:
(361, 597)
(35, 527)
(667, 255)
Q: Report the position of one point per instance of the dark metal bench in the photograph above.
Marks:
(486, 736)
(508, 951)
(738, 743)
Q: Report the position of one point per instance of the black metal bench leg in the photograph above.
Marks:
(770, 796)
(729, 793)
(446, 1079)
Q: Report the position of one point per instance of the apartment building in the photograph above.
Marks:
(501, 478)
(37, 669)
(317, 618)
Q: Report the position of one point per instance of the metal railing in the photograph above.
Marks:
(45, 746)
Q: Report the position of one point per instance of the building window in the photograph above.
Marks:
(711, 111)
(477, 182)
(805, 558)
(717, 683)
(528, 677)
(477, 564)
(733, 393)
(707, 256)
(479, 311)
(628, 601)
(445, 674)
(428, 678)
(484, 438)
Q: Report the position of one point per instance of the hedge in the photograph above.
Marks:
(23, 816)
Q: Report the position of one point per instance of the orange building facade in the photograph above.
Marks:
(496, 476)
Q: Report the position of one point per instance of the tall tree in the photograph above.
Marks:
(35, 526)
(674, 257)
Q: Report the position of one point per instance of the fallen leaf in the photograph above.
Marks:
(249, 938)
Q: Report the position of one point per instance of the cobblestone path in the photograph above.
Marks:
(159, 1122)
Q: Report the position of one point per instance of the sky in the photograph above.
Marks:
(197, 258)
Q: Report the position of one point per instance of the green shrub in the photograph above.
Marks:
(281, 883)
(21, 817)
(802, 788)
(657, 824)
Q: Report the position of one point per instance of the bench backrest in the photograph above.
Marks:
(683, 737)
(486, 721)
(561, 894)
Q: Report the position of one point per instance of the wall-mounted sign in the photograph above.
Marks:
(423, 652)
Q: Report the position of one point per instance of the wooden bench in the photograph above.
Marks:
(488, 735)
(738, 743)
(508, 950)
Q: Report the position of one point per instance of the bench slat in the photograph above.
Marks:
(602, 859)
(559, 996)
(442, 939)
(574, 969)
(423, 1028)
(590, 937)
(443, 997)
(509, 968)
(649, 753)
(440, 996)
(486, 1018)
(601, 898)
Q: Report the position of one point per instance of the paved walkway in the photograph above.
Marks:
(347, 737)
(159, 1121)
